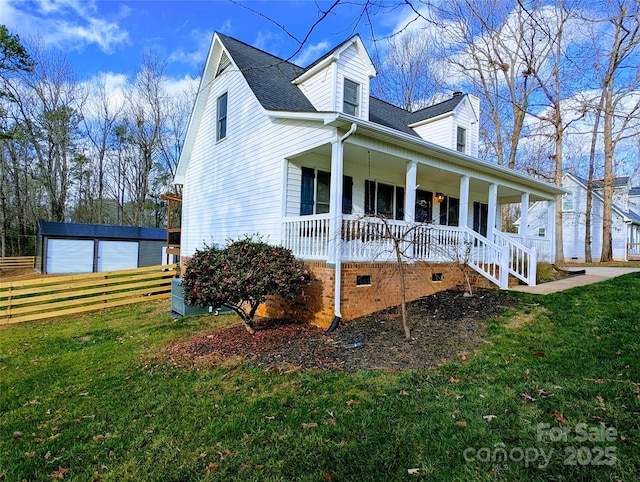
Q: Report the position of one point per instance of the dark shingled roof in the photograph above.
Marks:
(270, 78)
(599, 183)
(437, 109)
(75, 230)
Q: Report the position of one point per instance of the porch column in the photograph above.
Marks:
(410, 191)
(492, 210)
(335, 202)
(334, 258)
(524, 217)
(463, 219)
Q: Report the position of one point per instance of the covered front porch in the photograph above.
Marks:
(361, 199)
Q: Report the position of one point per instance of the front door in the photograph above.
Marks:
(480, 216)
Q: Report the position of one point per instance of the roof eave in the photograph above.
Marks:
(337, 119)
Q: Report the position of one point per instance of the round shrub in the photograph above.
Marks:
(242, 275)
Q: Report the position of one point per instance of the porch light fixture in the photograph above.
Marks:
(439, 197)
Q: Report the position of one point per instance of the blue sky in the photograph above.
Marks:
(111, 36)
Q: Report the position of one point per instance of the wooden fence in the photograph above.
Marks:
(48, 297)
(18, 262)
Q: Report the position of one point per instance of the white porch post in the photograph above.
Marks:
(463, 219)
(335, 202)
(334, 257)
(492, 210)
(410, 191)
(523, 229)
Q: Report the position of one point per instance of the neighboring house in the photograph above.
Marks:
(307, 158)
(625, 229)
(85, 248)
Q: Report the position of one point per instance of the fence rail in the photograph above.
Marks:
(48, 297)
(18, 262)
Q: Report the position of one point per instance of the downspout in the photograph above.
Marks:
(337, 203)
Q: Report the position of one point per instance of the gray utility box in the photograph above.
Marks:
(179, 306)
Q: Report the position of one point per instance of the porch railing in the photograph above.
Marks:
(372, 239)
(542, 245)
(633, 250)
(307, 236)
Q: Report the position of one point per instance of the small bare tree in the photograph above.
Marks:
(407, 243)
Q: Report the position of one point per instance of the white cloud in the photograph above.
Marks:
(312, 52)
(195, 58)
(71, 24)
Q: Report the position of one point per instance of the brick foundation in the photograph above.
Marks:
(315, 305)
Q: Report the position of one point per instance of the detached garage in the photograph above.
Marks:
(84, 248)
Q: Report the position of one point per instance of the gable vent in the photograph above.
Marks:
(223, 64)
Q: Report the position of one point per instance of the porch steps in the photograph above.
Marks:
(480, 281)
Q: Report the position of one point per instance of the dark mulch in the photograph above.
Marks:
(444, 326)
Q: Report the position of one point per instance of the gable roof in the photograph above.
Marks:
(271, 80)
(436, 110)
(269, 77)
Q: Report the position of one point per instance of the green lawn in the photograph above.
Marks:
(553, 396)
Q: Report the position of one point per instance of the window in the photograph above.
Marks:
(350, 97)
(567, 202)
(383, 200)
(221, 130)
(316, 192)
(542, 232)
(461, 140)
(449, 211)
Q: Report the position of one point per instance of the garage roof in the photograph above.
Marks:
(76, 230)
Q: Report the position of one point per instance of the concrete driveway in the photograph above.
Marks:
(592, 275)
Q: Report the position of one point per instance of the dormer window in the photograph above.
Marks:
(350, 97)
(461, 139)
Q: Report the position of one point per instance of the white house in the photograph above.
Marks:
(307, 158)
(625, 230)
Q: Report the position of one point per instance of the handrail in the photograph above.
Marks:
(521, 259)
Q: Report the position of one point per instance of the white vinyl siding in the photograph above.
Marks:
(319, 89)
(573, 225)
(235, 187)
(69, 256)
(325, 88)
(350, 67)
(437, 131)
(443, 131)
(117, 255)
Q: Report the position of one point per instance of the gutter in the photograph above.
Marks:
(338, 244)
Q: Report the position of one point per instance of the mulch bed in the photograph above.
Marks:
(444, 326)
